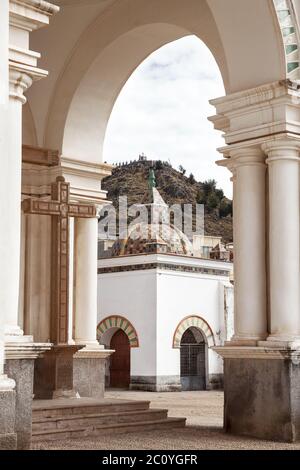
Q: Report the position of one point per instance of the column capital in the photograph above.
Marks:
(246, 156)
(282, 149)
(229, 164)
(21, 78)
(19, 82)
(250, 156)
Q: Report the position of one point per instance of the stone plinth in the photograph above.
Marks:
(53, 373)
(262, 391)
(21, 370)
(8, 437)
(19, 366)
(215, 382)
(89, 372)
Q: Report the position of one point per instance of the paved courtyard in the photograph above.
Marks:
(203, 411)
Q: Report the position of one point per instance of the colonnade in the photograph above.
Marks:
(266, 242)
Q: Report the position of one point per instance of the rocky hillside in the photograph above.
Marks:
(175, 187)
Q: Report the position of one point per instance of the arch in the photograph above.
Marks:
(116, 321)
(197, 322)
(122, 36)
(290, 35)
(29, 136)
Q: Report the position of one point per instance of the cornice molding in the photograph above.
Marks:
(18, 350)
(254, 96)
(87, 168)
(30, 15)
(96, 354)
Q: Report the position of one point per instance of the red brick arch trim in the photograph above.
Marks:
(116, 321)
(197, 322)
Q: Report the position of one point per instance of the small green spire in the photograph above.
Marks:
(151, 179)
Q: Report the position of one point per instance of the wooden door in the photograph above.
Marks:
(120, 360)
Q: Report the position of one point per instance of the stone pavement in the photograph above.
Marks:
(203, 411)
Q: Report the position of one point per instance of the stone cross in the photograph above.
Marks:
(60, 209)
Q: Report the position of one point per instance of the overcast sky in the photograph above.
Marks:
(163, 108)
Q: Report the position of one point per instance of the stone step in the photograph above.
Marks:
(63, 434)
(96, 420)
(56, 409)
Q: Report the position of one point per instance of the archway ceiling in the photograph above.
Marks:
(243, 36)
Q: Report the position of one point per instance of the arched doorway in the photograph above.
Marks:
(193, 360)
(120, 360)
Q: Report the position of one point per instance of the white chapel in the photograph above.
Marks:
(163, 310)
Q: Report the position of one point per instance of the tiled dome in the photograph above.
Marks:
(153, 238)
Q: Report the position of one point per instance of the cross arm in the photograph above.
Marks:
(40, 207)
(84, 211)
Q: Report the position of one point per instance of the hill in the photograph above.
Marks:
(175, 187)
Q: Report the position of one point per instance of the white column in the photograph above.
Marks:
(284, 206)
(71, 281)
(249, 246)
(19, 82)
(85, 252)
(7, 244)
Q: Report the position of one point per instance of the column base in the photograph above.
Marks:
(13, 333)
(53, 373)
(261, 388)
(8, 437)
(240, 340)
(281, 341)
(153, 383)
(89, 371)
(19, 366)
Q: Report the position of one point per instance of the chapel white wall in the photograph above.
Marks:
(179, 296)
(155, 303)
(133, 296)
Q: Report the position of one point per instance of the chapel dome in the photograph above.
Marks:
(153, 238)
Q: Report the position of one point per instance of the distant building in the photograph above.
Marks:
(204, 244)
(162, 309)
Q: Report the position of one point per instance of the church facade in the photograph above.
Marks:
(61, 69)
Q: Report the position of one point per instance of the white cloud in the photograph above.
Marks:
(163, 109)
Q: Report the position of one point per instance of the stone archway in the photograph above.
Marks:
(90, 71)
